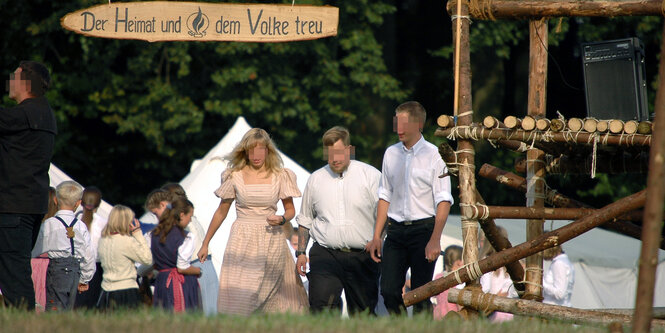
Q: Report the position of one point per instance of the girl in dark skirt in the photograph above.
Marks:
(176, 285)
(122, 244)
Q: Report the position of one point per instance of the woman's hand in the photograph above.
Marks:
(203, 253)
(135, 225)
(275, 220)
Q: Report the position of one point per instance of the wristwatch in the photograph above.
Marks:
(298, 253)
(283, 220)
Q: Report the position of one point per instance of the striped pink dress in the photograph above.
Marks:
(258, 273)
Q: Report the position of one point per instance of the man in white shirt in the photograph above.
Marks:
(414, 200)
(559, 279)
(338, 212)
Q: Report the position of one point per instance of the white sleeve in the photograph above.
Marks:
(86, 254)
(385, 188)
(185, 252)
(39, 244)
(307, 214)
(559, 286)
(441, 186)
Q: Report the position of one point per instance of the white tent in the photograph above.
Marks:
(57, 176)
(205, 177)
(605, 263)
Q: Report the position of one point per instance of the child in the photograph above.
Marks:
(176, 285)
(208, 281)
(121, 245)
(90, 202)
(452, 260)
(66, 241)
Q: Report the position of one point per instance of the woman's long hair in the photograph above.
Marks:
(171, 217)
(239, 157)
(92, 198)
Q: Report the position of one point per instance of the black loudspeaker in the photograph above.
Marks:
(615, 79)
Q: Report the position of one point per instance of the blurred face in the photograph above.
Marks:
(16, 85)
(257, 155)
(339, 156)
(158, 211)
(185, 218)
(407, 129)
(294, 242)
(457, 264)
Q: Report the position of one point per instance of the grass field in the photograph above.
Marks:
(149, 321)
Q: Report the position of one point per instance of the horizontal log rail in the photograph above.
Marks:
(557, 199)
(510, 9)
(475, 132)
(474, 270)
(480, 301)
(508, 212)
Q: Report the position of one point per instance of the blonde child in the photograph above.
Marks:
(67, 242)
(121, 245)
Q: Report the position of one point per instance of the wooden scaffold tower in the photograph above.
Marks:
(614, 146)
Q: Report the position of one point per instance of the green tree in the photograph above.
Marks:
(133, 115)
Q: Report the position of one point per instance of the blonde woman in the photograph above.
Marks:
(122, 244)
(258, 273)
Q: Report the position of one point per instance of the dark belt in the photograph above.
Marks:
(343, 249)
(392, 222)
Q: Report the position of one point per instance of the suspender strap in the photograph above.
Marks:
(71, 225)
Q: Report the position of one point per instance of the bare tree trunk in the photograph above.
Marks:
(535, 166)
(653, 212)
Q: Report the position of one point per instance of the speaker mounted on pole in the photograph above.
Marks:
(615, 79)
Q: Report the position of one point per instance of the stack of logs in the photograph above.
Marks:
(589, 125)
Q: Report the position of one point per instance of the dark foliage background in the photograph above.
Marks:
(133, 115)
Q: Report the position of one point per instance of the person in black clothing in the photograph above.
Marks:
(27, 137)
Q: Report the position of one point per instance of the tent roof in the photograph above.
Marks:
(58, 176)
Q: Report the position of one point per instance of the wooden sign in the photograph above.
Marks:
(202, 21)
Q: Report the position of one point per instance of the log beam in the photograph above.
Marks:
(492, 233)
(614, 164)
(508, 9)
(653, 212)
(474, 270)
(489, 302)
(476, 132)
(557, 199)
(535, 168)
(482, 212)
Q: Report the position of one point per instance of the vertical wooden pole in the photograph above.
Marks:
(467, 180)
(535, 195)
(653, 209)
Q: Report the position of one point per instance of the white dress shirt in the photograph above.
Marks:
(53, 240)
(340, 211)
(410, 181)
(185, 250)
(96, 227)
(558, 281)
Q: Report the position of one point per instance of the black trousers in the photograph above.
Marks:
(334, 270)
(18, 233)
(89, 298)
(404, 248)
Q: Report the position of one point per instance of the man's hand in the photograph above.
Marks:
(301, 265)
(432, 250)
(374, 249)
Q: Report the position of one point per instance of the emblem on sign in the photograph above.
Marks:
(197, 23)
